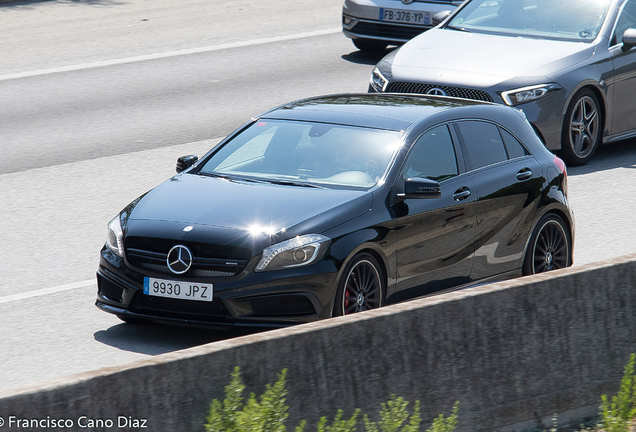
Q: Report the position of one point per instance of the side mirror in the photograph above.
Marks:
(185, 162)
(420, 188)
(439, 17)
(629, 39)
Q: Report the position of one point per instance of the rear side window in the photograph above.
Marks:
(483, 143)
(514, 147)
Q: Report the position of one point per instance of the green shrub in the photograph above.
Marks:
(393, 414)
(265, 414)
(339, 425)
(441, 424)
(616, 415)
(269, 413)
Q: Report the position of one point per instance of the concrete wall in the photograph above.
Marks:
(511, 353)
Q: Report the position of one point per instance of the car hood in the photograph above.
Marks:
(248, 207)
(450, 57)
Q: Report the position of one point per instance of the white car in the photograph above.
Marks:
(372, 25)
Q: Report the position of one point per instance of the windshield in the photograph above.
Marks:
(306, 154)
(575, 20)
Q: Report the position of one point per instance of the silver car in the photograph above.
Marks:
(372, 25)
(568, 64)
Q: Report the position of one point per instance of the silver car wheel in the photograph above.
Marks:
(584, 127)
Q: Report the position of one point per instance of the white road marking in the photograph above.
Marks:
(47, 291)
(168, 54)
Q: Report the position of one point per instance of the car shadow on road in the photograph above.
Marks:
(155, 339)
(366, 58)
(607, 157)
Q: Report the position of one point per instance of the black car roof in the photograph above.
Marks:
(373, 110)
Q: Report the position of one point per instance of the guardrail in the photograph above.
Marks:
(512, 353)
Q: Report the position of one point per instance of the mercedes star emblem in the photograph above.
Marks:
(179, 259)
(437, 92)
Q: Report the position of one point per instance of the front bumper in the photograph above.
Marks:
(265, 300)
(392, 33)
(361, 19)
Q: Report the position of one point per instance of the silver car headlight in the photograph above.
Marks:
(528, 94)
(299, 251)
(378, 80)
(115, 239)
(381, 75)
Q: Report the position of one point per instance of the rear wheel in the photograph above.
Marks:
(362, 286)
(549, 248)
(367, 45)
(582, 126)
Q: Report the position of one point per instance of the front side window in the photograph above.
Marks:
(574, 20)
(433, 156)
(483, 143)
(306, 153)
(626, 21)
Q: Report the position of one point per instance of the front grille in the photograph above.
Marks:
(209, 261)
(214, 311)
(459, 92)
(388, 31)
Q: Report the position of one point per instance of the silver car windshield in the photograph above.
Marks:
(575, 20)
(306, 154)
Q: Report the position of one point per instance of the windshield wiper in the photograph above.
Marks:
(225, 177)
(457, 28)
(294, 183)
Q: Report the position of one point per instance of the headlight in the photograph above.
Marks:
(528, 94)
(296, 252)
(115, 239)
(378, 81)
(381, 75)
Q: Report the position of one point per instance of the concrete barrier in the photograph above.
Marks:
(512, 353)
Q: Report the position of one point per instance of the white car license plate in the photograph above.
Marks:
(177, 290)
(406, 17)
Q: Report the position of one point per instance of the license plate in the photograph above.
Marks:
(178, 290)
(405, 17)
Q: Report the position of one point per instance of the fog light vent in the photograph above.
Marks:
(282, 305)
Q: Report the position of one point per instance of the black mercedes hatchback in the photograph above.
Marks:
(339, 204)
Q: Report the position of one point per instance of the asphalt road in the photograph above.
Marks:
(99, 98)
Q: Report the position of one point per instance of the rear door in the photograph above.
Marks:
(508, 182)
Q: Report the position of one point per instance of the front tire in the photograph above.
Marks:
(550, 246)
(582, 127)
(369, 46)
(361, 287)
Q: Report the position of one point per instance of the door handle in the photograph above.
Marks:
(524, 174)
(461, 194)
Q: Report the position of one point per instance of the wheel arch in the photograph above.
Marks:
(568, 223)
(600, 95)
(376, 253)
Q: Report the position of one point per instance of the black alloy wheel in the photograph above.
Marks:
(369, 46)
(549, 247)
(361, 287)
(581, 128)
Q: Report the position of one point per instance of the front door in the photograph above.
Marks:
(623, 120)
(435, 236)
